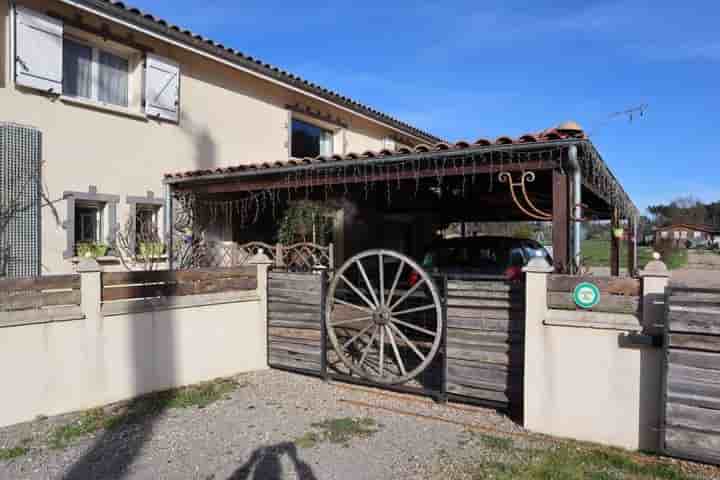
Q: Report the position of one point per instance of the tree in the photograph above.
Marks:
(687, 209)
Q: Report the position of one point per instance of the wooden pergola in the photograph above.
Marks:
(558, 179)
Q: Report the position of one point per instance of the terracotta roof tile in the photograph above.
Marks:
(544, 136)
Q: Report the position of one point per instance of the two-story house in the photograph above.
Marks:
(103, 99)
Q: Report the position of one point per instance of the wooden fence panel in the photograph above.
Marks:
(295, 309)
(485, 337)
(617, 295)
(39, 292)
(692, 375)
(176, 283)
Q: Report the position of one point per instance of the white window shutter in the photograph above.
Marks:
(162, 88)
(38, 51)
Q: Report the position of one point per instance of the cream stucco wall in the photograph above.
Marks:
(55, 368)
(588, 383)
(227, 117)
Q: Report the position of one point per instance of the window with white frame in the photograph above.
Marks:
(308, 140)
(83, 67)
(95, 74)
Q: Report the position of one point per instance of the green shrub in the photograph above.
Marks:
(151, 249)
(91, 250)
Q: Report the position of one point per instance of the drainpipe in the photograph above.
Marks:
(574, 166)
(169, 247)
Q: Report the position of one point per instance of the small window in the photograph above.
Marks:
(146, 225)
(309, 140)
(88, 223)
(95, 74)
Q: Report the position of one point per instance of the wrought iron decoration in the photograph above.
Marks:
(531, 211)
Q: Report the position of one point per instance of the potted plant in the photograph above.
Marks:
(151, 249)
(91, 250)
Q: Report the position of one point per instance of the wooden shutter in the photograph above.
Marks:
(38, 51)
(162, 88)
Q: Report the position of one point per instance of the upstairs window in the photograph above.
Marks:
(310, 140)
(95, 74)
(87, 69)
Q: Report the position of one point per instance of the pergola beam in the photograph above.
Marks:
(389, 174)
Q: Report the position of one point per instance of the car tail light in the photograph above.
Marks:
(413, 278)
(513, 274)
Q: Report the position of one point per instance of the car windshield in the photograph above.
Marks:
(483, 255)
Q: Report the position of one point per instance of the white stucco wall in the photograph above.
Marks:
(55, 368)
(228, 117)
(587, 383)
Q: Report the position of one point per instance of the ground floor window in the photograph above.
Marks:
(142, 234)
(88, 223)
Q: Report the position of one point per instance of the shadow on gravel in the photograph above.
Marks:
(266, 464)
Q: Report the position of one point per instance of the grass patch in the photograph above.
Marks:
(677, 259)
(199, 396)
(496, 443)
(88, 423)
(10, 453)
(571, 462)
(596, 253)
(337, 430)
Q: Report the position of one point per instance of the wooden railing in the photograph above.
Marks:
(298, 257)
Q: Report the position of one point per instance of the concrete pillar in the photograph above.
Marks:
(91, 306)
(263, 263)
(536, 272)
(655, 280)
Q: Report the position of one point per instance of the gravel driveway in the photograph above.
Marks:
(277, 425)
(253, 433)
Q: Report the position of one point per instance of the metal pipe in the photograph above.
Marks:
(574, 166)
(169, 225)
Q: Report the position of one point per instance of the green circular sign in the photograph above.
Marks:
(586, 295)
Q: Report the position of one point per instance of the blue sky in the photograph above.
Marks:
(464, 70)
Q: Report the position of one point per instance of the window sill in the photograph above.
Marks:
(127, 112)
(109, 259)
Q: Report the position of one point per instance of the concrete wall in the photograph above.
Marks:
(590, 383)
(54, 368)
(228, 117)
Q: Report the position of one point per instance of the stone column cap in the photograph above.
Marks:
(656, 268)
(260, 258)
(88, 265)
(538, 265)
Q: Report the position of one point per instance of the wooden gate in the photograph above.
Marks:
(485, 332)
(480, 360)
(691, 424)
(295, 328)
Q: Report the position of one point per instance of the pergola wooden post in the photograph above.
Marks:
(631, 247)
(561, 221)
(614, 245)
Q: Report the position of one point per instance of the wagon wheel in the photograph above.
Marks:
(382, 328)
